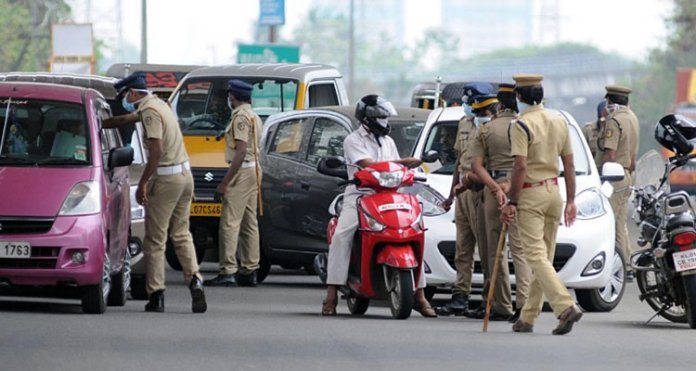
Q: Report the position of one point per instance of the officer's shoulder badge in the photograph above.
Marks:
(609, 133)
(147, 121)
(241, 125)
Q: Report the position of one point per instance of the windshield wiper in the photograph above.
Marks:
(61, 161)
(9, 160)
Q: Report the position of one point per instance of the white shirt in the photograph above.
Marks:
(362, 145)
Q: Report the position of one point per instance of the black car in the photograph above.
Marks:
(296, 197)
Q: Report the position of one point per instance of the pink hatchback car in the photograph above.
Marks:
(64, 196)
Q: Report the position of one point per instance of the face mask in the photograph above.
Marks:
(611, 108)
(478, 121)
(521, 106)
(128, 106)
(229, 104)
(467, 110)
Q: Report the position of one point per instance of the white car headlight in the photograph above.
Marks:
(589, 204)
(82, 199)
(389, 179)
(137, 210)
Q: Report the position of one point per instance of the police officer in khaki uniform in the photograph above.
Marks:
(240, 192)
(537, 139)
(619, 143)
(492, 162)
(165, 189)
(593, 129)
(465, 194)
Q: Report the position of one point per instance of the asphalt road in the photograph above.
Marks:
(277, 326)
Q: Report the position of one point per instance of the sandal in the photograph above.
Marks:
(426, 310)
(329, 308)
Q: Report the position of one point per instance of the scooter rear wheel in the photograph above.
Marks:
(400, 287)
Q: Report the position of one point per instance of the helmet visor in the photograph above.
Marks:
(382, 109)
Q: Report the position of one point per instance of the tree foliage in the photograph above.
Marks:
(25, 32)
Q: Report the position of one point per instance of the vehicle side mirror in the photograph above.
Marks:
(333, 166)
(120, 156)
(612, 172)
(430, 156)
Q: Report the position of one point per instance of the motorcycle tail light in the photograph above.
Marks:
(685, 239)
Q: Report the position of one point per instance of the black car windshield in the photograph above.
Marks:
(202, 109)
(42, 132)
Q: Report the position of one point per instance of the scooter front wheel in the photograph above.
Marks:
(357, 305)
(400, 287)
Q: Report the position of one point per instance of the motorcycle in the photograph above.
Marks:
(389, 243)
(666, 268)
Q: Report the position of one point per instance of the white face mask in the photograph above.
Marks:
(521, 106)
(229, 104)
(478, 121)
(611, 108)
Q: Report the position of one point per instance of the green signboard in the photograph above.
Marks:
(254, 53)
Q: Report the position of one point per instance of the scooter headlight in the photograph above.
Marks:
(389, 179)
(373, 224)
(589, 204)
(418, 224)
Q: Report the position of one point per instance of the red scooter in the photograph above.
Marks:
(388, 246)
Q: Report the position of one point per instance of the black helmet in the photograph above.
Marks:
(676, 133)
(370, 109)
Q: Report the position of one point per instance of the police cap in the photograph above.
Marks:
(135, 80)
(240, 87)
(618, 90)
(527, 79)
(474, 91)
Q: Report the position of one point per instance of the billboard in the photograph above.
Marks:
(72, 48)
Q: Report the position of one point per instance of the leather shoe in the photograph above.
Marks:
(156, 302)
(457, 306)
(221, 280)
(521, 326)
(248, 280)
(198, 304)
(566, 320)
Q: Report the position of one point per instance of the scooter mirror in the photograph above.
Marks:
(430, 156)
(333, 166)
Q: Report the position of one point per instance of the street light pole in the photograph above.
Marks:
(143, 32)
(351, 50)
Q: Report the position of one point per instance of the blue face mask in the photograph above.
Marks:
(130, 107)
(478, 121)
(467, 110)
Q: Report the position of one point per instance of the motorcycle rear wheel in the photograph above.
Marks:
(648, 283)
(690, 305)
(400, 286)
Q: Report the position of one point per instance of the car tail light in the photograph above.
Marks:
(684, 240)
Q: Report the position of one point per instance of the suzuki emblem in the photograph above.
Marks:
(208, 176)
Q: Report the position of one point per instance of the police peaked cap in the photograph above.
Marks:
(474, 91)
(618, 90)
(240, 87)
(135, 80)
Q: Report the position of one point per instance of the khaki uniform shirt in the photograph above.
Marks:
(466, 134)
(620, 134)
(246, 126)
(541, 137)
(591, 131)
(493, 143)
(160, 122)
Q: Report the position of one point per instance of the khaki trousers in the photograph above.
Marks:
(239, 225)
(465, 220)
(167, 209)
(539, 213)
(502, 299)
(619, 204)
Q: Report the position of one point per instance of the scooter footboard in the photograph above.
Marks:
(397, 256)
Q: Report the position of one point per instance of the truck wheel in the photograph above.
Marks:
(605, 299)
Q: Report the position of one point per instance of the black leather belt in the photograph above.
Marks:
(495, 174)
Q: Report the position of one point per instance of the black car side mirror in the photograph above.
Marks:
(333, 166)
(120, 156)
(430, 156)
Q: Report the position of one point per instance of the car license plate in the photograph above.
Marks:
(15, 250)
(684, 260)
(206, 209)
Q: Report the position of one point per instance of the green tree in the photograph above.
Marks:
(654, 92)
(25, 32)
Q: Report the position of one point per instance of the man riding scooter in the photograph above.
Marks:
(367, 145)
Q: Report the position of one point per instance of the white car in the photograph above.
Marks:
(585, 259)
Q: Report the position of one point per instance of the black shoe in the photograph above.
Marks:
(457, 306)
(515, 316)
(630, 276)
(198, 304)
(248, 280)
(221, 280)
(156, 302)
